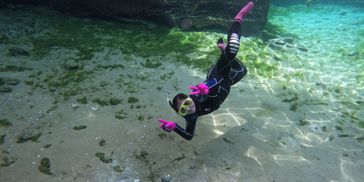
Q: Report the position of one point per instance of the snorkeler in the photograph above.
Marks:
(207, 97)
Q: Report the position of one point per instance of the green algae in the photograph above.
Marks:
(82, 100)
(109, 67)
(114, 101)
(103, 157)
(87, 37)
(45, 166)
(5, 122)
(162, 136)
(141, 118)
(339, 128)
(121, 114)
(70, 35)
(133, 100)
(64, 84)
(2, 139)
(9, 68)
(150, 63)
(101, 101)
(106, 101)
(302, 122)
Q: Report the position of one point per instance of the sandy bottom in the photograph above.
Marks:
(258, 134)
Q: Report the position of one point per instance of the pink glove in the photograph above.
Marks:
(167, 125)
(201, 89)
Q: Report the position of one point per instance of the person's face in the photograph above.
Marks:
(186, 107)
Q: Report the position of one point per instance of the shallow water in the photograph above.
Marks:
(296, 116)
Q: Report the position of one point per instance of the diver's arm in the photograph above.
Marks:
(189, 132)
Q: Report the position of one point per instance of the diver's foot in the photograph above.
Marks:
(244, 11)
(220, 44)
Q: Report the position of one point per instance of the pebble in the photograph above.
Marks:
(75, 106)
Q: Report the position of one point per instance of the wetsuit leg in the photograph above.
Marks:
(234, 35)
(223, 64)
(237, 72)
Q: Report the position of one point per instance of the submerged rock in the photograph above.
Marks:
(28, 134)
(81, 127)
(102, 142)
(8, 161)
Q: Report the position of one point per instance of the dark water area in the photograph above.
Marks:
(80, 97)
(358, 3)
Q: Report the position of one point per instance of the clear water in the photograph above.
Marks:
(296, 116)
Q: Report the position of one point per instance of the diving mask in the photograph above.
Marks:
(185, 106)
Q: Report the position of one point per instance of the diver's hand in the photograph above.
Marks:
(167, 125)
(201, 89)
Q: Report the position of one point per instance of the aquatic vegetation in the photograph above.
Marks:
(5, 122)
(339, 128)
(114, 101)
(133, 100)
(303, 122)
(16, 51)
(62, 84)
(162, 135)
(112, 66)
(45, 166)
(2, 139)
(8, 68)
(82, 100)
(103, 157)
(5, 89)
(121, 114)
(141, 118)
(101, 101)
(152, 63)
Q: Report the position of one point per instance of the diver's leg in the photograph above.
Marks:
(231, 49)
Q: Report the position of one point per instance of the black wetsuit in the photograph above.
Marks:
(226, 72)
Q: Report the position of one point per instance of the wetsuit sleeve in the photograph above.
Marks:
(189, 132)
